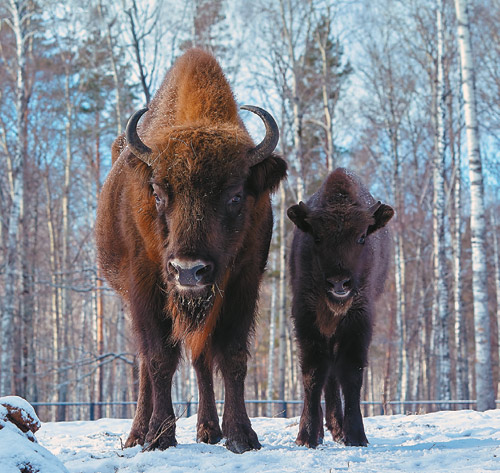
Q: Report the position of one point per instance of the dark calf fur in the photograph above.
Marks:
(338, 264)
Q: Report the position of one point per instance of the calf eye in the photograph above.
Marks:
(158, 200)
(362, 239)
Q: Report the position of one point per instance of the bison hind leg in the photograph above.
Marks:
(209, 432)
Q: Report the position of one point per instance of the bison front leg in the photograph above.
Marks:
(162, 366)
(208, 429)
(140, 425)
(236, 425)
(349, 368)
(314, 367)
(333, 407)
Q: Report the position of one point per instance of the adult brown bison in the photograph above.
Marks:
(338, 263)
(183, 230)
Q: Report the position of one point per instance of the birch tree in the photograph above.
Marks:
(20, 11)
(484, 376)
(439, 224)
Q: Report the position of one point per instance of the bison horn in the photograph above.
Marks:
(374, 207)
(268, 144)
(140, 150)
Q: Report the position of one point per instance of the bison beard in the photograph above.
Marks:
(189, 313)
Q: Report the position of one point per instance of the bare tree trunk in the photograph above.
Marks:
(272, 335)
(327, 112)
(483, 368)
(297, 106)
(132, 14)
(461, 370)
(399, 272)
(439, 237)
(54, 266)
(115, 73)
(496, 255)
(282, 305)
(20, 14)
(65, 304)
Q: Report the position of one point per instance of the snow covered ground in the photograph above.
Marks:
(463, 441)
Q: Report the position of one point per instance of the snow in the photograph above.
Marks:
(461, 441)
(19, 450)
(26, 409)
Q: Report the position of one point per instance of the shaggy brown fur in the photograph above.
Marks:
(199, 200)
(338, 264)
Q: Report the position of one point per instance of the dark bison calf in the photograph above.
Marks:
(338, 263)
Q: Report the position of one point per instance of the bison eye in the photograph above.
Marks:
(362, 239)
(236, 199)
(157, 199)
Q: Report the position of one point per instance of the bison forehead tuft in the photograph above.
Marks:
(340, 221)
(199, 156)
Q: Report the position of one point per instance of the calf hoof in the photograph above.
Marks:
(304, 441)
(337, 434)
(309, 440)
(243, 440)
(209, 432)
(134, 438)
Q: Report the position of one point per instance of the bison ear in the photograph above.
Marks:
(381, 213)
(117, 147)
(298, 215)
(267, 175)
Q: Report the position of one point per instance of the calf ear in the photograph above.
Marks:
(267, 175)
(298, 215)
(382, 213)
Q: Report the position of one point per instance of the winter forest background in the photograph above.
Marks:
(373, 85)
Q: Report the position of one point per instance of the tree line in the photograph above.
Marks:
(405, 93)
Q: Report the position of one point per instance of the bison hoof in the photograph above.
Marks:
(243, 441)
(209, 432)
(134, 439)
(161, 443)
(337, 434)
(351, 441)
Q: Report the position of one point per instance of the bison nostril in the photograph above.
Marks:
(174, 268)
(202, 271)
(190, 273)
(346, 284)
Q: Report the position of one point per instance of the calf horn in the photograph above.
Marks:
(140, 150)
(268, 144)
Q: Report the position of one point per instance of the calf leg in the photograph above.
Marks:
(314, 368)
(236, 425)
(349, 370)
(208, 429)
(333, 407)
(144, 408)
